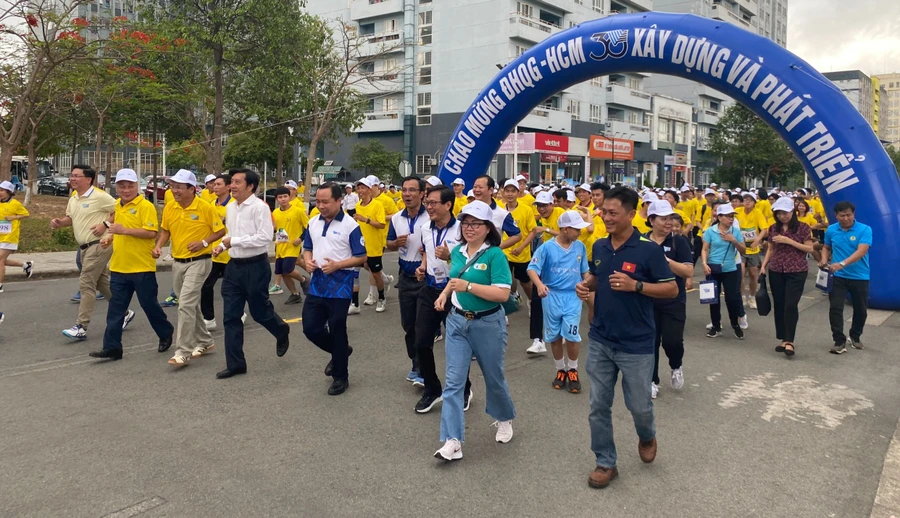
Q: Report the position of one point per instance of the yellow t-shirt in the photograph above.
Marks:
(208, 196)
(390, 208)
(765, 208)
(599, 233)
(639, 222)
(221, 210)
(809, 219)
(9, 230)
(687, 209)
(526, 199)
(313, 213)
(817, 208)
(168, 197)
(288, 228)
(459, 203)
(371, 235)
(551, 222)
(133, 254)
(88, 211)
(751, 225)
(304, 218)
(524, 218)
(186, 225)
(395, 196)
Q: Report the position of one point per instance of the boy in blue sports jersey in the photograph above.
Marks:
(555, 269)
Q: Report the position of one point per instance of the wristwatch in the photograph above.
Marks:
(204, 243)
(369, 221)
(106, 224)
(469, 287)
(639, 287)
(843, 264)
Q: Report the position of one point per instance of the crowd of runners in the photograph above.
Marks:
(467, 260)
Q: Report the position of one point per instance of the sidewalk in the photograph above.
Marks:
(52, 265)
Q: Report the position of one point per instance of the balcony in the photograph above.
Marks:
(379, 83)
(381, 121)
(380, 43)
(749, 6)
(705, 91)
(636, 131)
(625, 96)
(707, 116)
(362, 9)
(720, 12)
(548, 119)
(530, 29)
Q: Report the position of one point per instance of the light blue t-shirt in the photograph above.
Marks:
(844, 243)
(558, 268)
(721, 251)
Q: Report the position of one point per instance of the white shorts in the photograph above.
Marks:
(9, 246)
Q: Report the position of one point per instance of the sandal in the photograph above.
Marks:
(780, 348)
(789, 352)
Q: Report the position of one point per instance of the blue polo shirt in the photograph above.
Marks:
(624, 321)
(843, 244)
(721, 251)
(338, 240)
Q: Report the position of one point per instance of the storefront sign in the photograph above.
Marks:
(669, 160)
(602, 147)
(535, 142)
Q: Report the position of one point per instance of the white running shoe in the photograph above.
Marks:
(388, 284)
(752, 303)
(243, 318)
(353, 310)
(537, 347)
(129, 316)
(210, 324)
(709, 326)
(379, 306)
(677, 379)
(742, 321)
(451, 450)
(504, 431)
(370, 300)
(654, 390)
(275, 290)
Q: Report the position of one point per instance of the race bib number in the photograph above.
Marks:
(5, 227)
(281, 236)
(749, 235)
(440, 274)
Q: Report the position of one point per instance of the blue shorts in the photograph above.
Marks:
(285, 265)
(562, 316)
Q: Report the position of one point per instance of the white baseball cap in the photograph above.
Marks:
(522, 178)
(724, 209)
(470, 194)
(373, 180)
(367, 181)
(126, 175)
(209, 178)
(570, 195)
(737, 190)
(708, 192)
(571, 218)
(511, 183)
(585, 187)
(660, 208)
(713, 184)
(752, 195)
(290, 184)
(7, 185)
(434, 181)
(544, 197)
(649, 197)
(685, 188)
(783, 204)
(459, 181)
(184, 176)
(478, 210)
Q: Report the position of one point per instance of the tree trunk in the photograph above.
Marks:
(218, 113)
(109, 154)
(6, 154)
(310, 166)
(766, 185)
(279, 168)
(99, 141)
(32, 168)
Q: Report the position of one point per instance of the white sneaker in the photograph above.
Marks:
(677, 379)
(75, 332)
(200, 351)
(128, 318)
(210, 324)
(379, 306)
(275, 290)
(537, 347)
(353, 310)
(709, 326)
(752, 303)
(451, 450)
(371, 299)
(179, 361)
(243, 318)
(504, 431)
(388, 284)
(742, 321)
(654, 390)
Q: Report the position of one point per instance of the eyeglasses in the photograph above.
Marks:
(542, 205)
(729, 216)
(175, 187)
(472, 224)
(431, 203)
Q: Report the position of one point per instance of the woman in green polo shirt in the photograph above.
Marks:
(479, 282)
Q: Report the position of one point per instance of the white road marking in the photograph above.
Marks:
(138, 508)
(802, 399)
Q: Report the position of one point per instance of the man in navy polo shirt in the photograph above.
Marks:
(628, 271)
(332, 247)
(847, 245)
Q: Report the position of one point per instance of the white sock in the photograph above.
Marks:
(384, 277)
(373, 291)
(573, 364)
(560, 364)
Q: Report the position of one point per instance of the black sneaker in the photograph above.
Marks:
(560, 381)
(738, 333)
(293, 299)
(856, 344)
(427, 403)
(713, 333)
(468, 400)
(574, 384)
(28, 268)
(838, 348)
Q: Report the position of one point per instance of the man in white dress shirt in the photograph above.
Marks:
(247, 275)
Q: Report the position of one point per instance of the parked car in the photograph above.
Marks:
(54, 185)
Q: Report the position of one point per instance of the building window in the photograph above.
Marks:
(425, 68)
(425, 20)
(423, 164)
(596, 110)
(423, 109)
(520, 50)
(664, 130)
(574, 108)
(680, 130)
(598, 5)
(525, 10)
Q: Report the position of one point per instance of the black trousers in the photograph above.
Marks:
(246, 283)
(408, 289)
(428, 321)
(122, 287)
(731, 283)
(698, 247)
(536, 322)
(207, 291)
(786, 288)
(670, 319)
(325, 325)
(859, 295)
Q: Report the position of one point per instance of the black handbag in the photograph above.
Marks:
(763, 302)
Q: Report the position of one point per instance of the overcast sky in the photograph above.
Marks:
(846, 34)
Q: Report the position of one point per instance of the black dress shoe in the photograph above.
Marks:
(111, 354)
(338, 386)
(282, 345)
(329, 369)
(227, 373)
(164, 344)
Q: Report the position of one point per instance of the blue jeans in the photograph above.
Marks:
(486, 338)
(122, 286)
(603, 366)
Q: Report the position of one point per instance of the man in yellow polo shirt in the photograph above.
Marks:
(460, 201)
(371, 218)
(209, 193)
(132, 234)
(519, 255)
(193, 226)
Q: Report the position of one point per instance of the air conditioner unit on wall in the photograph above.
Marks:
(432, 161)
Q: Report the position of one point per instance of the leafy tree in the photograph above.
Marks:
(894, 153)
(188, 154)
(749, 149)
(252, 148)
(373, 158)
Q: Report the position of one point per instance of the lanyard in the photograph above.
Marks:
(412, 221)
(440, 238)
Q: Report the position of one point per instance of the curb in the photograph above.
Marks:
(73, 272)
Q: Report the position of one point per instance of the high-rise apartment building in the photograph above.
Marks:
(860, 91)
(889, 97)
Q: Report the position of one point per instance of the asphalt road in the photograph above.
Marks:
(751, 434)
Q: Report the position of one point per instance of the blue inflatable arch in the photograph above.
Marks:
(838, 149)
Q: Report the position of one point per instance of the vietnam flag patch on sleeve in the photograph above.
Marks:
(629, 267)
